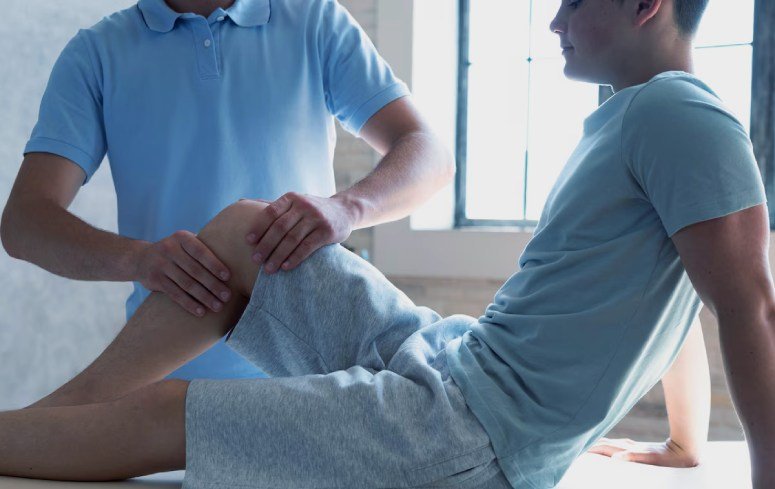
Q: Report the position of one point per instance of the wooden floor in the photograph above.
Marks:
(726, 467)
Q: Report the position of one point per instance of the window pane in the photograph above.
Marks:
(497, 108)
(500, 130)
(728, 72)
(726, 22)
(558, 108)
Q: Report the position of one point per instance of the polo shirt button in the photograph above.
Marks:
(220, 18)
(207, 43)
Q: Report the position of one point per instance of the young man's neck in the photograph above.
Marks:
(201, 7)
(642, 68)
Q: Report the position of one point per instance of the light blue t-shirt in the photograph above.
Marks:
(601, 304)
(195, 113)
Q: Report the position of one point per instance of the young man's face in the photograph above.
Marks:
(593, 35)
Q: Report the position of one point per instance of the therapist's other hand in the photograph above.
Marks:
(183, 267)
(294, 226)
(665, 454)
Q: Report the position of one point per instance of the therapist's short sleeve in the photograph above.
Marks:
(70, 121)
(357, 81)
(691, 157)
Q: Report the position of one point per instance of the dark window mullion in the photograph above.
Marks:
(763, 97)
(461, 137)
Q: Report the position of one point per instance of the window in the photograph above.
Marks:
(519, 118)
(723, 54)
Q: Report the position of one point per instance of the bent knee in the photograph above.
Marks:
(226, 234)
(227, 231)
(233, 219)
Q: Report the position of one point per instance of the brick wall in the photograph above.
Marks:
(647, 421)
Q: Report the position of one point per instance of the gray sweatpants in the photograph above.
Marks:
(359, 396)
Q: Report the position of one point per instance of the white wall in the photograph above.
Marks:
(49, 326)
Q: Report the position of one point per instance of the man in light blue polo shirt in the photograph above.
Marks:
(199, 104)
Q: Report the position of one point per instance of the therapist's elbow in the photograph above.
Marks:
(442, 155)
(9, 230)
(450, 166)
(447, 162)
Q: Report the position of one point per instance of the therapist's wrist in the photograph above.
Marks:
(355, 208)
(129, 264)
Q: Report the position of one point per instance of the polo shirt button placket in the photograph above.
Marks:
(206, 52)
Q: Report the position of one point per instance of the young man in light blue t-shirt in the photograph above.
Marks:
(660, 207)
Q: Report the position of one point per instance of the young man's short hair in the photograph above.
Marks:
(688, 14)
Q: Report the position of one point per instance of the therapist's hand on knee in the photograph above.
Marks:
(294, 226)
(186, 270)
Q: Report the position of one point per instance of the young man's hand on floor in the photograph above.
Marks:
(665, 454)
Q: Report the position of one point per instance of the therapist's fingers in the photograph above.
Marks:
(313, 242)
(202, 275)
(193, 288)
(266, 218)
(289, 243)
(276, 233)
(180, 297)
(201, 253)
(159, 265)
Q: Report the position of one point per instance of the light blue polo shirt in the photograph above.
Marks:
(601, 304)
(195, 113)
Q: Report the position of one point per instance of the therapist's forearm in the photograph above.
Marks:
(687, 395)
(748, 348)
(56, 240)
(414, 169)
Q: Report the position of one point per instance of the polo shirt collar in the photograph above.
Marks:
(245, 13)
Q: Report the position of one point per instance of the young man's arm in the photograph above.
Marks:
(728, 263)
(687, 397)
(37, 227)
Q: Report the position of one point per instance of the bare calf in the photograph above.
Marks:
(161, 336)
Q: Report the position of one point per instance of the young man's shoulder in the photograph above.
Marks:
(678, 102)
(673, 91)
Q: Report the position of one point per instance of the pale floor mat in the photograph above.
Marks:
(726, 466)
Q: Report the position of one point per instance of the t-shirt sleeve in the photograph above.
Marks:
(692, 158)
(357, 81)
(70, 121)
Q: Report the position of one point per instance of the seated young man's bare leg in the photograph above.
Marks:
(162, 336)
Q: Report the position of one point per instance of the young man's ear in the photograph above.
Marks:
(644, 11)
